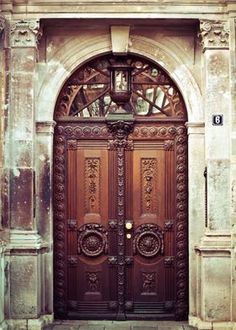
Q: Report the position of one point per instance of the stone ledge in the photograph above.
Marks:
(26, 242)
(215, 244)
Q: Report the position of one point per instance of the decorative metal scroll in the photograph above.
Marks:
(92, 240)
(87, 92)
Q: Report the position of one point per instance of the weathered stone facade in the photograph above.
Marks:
(41, 44)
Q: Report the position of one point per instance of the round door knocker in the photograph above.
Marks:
(148, 240)
(92, 240)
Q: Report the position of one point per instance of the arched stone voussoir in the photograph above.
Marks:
(176, 69)
(60, 67)
(67, 59)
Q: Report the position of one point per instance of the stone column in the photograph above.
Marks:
(214, 267)
(25, 248)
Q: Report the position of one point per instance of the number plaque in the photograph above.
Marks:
(217, 120)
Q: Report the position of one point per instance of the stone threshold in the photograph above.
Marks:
(119, 325)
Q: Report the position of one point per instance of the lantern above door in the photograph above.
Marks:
(120, 82)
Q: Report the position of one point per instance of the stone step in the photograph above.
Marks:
(116, 325)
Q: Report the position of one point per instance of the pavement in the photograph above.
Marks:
(118, 325)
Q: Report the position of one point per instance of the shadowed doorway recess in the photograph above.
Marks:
(120, 195)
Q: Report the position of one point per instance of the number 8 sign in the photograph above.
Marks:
(217, 120)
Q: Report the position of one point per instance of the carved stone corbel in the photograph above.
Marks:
(214, 34)
(25, 33)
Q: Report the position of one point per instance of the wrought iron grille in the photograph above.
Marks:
(87, 92)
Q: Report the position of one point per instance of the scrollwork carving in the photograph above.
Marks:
(92, 240)
(25, 33)
(214, 34)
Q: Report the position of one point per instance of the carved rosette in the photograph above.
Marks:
(214, 34)
(181, 224)
(59, 221)
(148, 240)
(25, 33)
(83, 131)
(92, 240)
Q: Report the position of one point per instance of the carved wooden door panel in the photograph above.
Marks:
(122, 252)
(155, 228)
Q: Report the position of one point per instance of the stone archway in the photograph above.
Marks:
(67, 62)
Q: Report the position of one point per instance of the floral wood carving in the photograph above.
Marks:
(92, 240)
(92, 184)
(148, 179)
(25, 33)
(214, 34)
(148, 240)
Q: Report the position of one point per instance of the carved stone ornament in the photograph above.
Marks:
(25, 33)
(148, 240)
(92, 240)
(2, 24)
(214, 34)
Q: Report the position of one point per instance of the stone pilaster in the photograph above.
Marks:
(196, 142)
(26, 250)
(44, 164)
(215, 42)
(214, 251)
(23, 42)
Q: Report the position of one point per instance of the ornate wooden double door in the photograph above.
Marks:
(120, 217)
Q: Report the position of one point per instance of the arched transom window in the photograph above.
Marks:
(87, 92)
